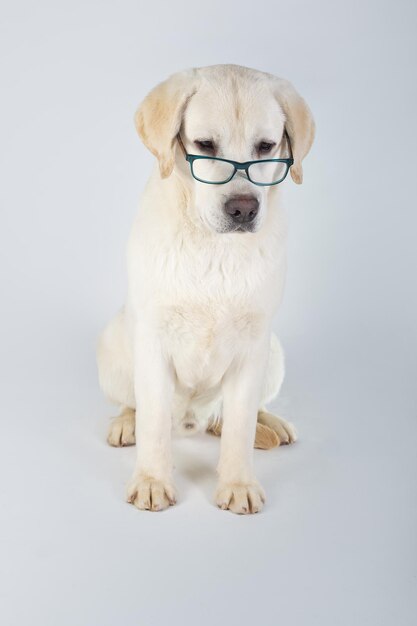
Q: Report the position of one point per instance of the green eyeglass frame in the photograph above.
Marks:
(191, 158)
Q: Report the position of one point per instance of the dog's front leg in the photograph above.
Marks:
(151, 485)
(238, 490)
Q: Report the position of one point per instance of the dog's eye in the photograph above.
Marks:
(265, 147)
(206, 145)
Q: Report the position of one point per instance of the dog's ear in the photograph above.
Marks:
(158, 119)
(299, 124)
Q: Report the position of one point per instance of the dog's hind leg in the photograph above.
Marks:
(271, 430)
(122, 429)
(115, 368)
(275, 432)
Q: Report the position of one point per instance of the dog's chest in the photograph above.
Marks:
(203, 341)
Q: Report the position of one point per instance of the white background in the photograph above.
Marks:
(336, 543)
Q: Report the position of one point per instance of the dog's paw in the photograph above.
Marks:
(122, 430)
(284, 430)
(240, 498)
(149, 494)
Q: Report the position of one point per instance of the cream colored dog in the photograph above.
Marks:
(193, 349)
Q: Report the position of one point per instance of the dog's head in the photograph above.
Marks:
(227, 112)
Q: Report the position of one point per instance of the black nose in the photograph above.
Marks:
(242, 209)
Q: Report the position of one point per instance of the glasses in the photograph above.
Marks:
(218, 171)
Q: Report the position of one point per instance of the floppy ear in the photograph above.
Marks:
(299, 124)
(158, 119)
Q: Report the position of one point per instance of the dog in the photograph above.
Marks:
(193, 348)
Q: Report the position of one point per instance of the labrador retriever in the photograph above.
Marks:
(193, 348)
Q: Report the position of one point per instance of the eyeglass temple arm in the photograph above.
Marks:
(287, 139)
(182, 145)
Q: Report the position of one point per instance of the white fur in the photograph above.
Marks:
(193, 342)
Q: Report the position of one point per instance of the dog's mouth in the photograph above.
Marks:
(229, 229)
(250, 228)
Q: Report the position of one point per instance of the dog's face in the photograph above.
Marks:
(227, 112)
(231, 124)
